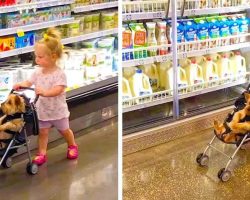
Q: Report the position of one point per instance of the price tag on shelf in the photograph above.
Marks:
(128, 17)
(157, 15)
(20, 32)
(140, 62)
(19, 51)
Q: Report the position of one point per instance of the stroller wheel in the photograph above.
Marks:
(7, 163)
(202, 159)
(32, 168)
(224, 175)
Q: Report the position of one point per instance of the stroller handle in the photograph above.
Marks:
(26, 88)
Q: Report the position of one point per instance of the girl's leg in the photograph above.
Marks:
(41, 157)
(43, 140)
(72, 152)
(69, 137)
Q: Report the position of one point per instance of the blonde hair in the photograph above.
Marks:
(52, 40)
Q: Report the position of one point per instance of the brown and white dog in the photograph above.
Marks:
(12, 109)
(239, 125)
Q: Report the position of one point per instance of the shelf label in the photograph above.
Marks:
(157, 15)
(128, 17)
(20, 32)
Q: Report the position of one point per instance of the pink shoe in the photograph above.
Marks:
(72, 152)
(39, 159)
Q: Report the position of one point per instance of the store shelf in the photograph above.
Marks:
(191, 53)
(205, 11)
(91, 85)
(143, 15)
(190, 91)
(19, 51)
(90, 36)
(99, 6)
(35, 5)
(37, 26)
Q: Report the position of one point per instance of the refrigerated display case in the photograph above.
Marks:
(92, 99)
(205, 66)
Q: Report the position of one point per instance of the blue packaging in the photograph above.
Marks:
(27, 40)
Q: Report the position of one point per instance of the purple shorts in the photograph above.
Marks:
(60, 124)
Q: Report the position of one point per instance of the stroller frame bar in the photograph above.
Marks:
(209, 145)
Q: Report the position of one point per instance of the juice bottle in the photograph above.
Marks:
(162, 37)
(151, 37)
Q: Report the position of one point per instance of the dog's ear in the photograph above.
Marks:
(20, 103)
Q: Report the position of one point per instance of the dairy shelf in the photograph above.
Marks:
(37, 26)
(98, 6)
(137, 103)
(138, 10)
(196, 48)
(35, 5)
(93, 35)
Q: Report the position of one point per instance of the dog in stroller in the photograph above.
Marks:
(236, 124)
(19, 120)
(234, 130)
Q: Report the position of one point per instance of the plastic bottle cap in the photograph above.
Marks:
(193, 61)
(237, 53)
(209, 59)
(139, 71)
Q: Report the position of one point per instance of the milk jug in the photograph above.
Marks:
(210, 70)
(194, 73)
(181, 78)
(238, 63)
(126, 92)
(162, 69)
(139, 84)
(151, 71)
(224, 67)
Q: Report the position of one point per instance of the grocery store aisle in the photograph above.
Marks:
(169, 172)
(93, 176)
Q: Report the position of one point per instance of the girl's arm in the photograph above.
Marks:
(55, 91)
(22, 84)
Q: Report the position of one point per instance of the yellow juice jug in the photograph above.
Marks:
(238, 63)
(210, 70)
(128, 72)
(194, 73)
(162, 69)
(181, 78)
(126, 92)
(139, 84)
(225, 68)
(151, 71)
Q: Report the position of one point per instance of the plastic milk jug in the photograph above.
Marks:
(181, 78)
(126, 92)
(224, 67)
(210, 70)
(139, 84)
(238, 63)
(162, 69)
(151, 71)
(194, 73)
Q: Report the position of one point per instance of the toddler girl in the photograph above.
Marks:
(50, 82)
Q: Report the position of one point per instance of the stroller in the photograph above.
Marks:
(20, 138)
(202, 159)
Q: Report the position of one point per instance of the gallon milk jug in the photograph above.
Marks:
(139, 84)
(224, 67)
(162, 69)
(194, 73)
(238, 63)
(210, 70)
(181, 78)
(126, 92)
(151, 71)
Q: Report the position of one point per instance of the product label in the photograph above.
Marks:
(126, 40)
(140, 38)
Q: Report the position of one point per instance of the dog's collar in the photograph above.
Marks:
(11, 117)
